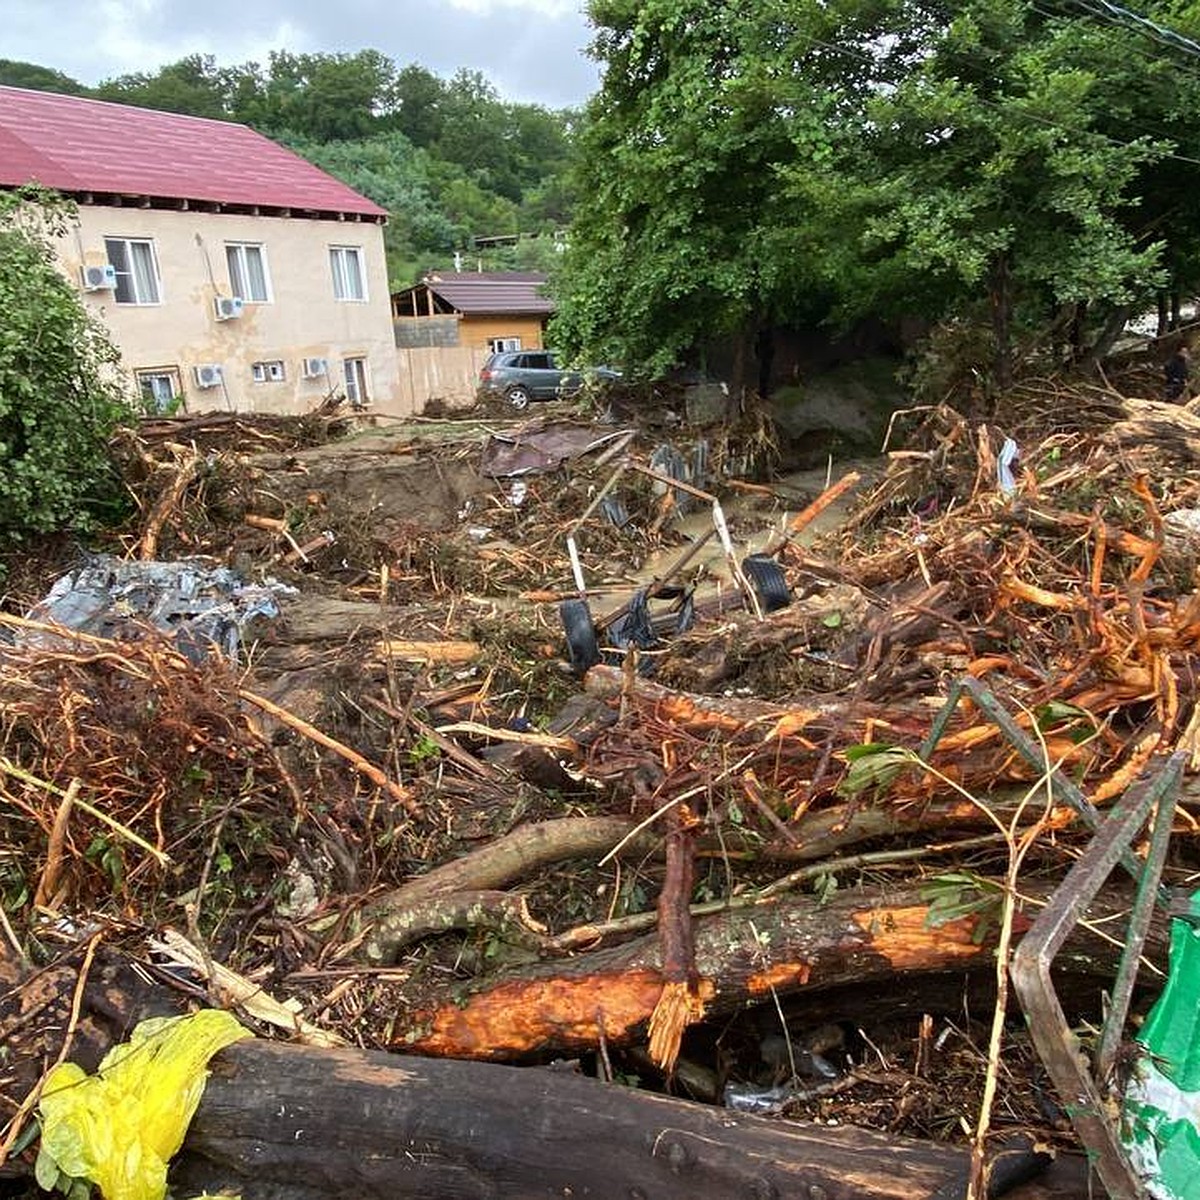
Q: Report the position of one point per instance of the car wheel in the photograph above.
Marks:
(518, 398)
(768, 581)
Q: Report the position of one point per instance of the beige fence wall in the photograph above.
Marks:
(446, 373)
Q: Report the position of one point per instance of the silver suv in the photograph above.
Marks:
(520, 376)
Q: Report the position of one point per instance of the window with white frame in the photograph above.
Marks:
(501, 344)
(160, 389)
(136, 266)
(248, 277)
(349, 272)
(357, 392)
(269, 371)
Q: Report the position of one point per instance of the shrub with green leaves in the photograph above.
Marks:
(60, 392)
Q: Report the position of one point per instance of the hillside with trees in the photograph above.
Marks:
(1027, 169)
(449, 159)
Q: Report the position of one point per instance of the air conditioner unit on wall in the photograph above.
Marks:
(208, 375)
(316, 368)
(99, 279)
(228, 308)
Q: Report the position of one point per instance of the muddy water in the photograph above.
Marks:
(753, 525)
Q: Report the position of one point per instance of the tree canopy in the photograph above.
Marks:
(755, 164)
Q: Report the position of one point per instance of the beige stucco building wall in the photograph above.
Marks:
(303, 319)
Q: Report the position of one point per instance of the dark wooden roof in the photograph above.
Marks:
(483, 293)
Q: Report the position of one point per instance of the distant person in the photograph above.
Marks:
(1177, 371)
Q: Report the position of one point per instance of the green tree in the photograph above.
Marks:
(676, 178)
(1001, 178)
(326, 97)
(761, 164)
(38, 79)
(474, 134)
(60, 399)
(415, 105)
(194, 86)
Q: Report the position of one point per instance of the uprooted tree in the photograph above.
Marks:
(60, 395)
(749, 166)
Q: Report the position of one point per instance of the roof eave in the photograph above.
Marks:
(96, 198)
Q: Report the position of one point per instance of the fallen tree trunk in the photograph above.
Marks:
(742, 957)
(280, 1121)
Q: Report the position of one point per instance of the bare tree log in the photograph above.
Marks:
(507, 914)
(187, 467)
(678, 1003)
(718, 712)
(526, 849)
(280, 1121)
(406, 910)
(797, 944)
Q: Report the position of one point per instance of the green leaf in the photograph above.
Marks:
(825, 886)
(1056, 712)
(956, 896)
(874, 766)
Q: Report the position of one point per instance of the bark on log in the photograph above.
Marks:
(1173, 427)
(280, 1121)
(529, 848)
(526, 849)
(742, 957)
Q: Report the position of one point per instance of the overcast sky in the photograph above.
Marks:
(531, 50)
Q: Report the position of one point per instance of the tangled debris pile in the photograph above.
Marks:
(403, 821)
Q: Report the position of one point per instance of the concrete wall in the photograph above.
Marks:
(302, 319)
(415, 333)
(460, 330)
(448, 374)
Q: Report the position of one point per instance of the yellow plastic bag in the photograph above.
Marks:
(120, 1127)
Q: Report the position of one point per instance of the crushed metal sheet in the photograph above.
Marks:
(539, 448)
(200, 605)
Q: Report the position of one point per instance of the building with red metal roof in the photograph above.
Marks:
(230, 272)
(93, 148)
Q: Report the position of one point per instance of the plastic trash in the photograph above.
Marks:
(1009, 453)
(666, 460)
(1160, 1112)
(747, 1098)
(1182, 530)
(120, 1127)
(634, 627)
(613, 510)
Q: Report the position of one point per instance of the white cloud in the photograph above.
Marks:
(530, 49)
(543, 8)
(138, 35)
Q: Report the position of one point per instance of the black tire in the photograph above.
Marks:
(768, 580)
(582, 646)
(518, 398)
